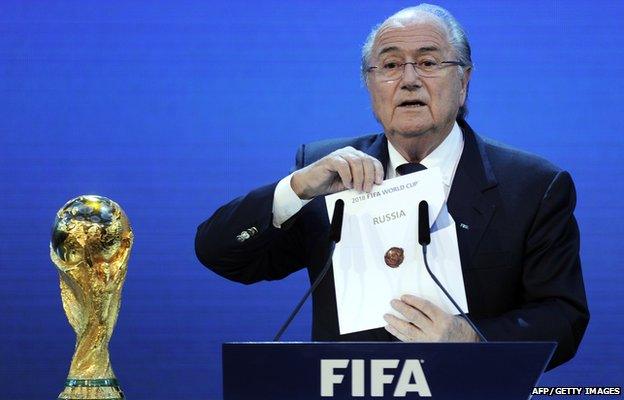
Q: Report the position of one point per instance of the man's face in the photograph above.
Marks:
(437, 98)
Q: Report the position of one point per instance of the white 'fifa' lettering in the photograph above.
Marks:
(328, 378)
(379, 378)
(412, 369)
(357, 378)
(411, 379)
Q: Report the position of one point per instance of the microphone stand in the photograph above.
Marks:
(334, 237)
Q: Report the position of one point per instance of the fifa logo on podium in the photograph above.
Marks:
(411, 377)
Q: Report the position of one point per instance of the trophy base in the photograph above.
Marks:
(91, 389)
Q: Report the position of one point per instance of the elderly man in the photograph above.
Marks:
(518, 239)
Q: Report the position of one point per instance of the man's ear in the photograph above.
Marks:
(465, 82)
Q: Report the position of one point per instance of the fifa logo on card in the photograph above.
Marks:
(411, 377)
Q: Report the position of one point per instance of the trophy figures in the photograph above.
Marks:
(91, 241)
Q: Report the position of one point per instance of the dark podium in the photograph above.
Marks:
(378, 370)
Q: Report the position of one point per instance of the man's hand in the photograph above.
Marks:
(345, 168)
(426, 322)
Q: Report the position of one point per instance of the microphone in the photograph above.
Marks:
(424, 238)
(335, 231)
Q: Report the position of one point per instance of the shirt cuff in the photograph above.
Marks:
(286, 203)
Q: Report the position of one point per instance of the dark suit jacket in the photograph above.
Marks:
(519, 255)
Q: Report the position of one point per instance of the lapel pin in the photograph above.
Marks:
(246, 234)
(464, 226)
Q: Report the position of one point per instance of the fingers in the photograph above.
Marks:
(357, 170)
(427, 308)
(417, 326)
(401, 329)
(369, 175)
(344, 171)
(394, 332)
(379, 171)
(345, 168)
(364, 170)
(426, 322)
(411, 314)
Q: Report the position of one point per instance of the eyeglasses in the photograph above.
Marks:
(427, 68)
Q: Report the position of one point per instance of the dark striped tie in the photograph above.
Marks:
(409, 168)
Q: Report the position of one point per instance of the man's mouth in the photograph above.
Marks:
(412, 104)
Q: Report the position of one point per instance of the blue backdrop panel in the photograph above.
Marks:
(173, 108)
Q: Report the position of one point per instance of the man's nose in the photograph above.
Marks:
(411, 79)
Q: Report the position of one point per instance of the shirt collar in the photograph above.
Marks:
(445, 156)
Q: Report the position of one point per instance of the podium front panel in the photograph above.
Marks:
(374, 370)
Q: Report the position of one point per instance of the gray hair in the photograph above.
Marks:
(455, 33)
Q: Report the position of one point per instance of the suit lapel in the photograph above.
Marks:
(379, 149)
(471, 209)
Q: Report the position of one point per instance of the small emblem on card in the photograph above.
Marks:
(394, 257)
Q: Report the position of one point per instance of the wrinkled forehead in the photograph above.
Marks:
(416, 34)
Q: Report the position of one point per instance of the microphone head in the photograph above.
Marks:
(424, 234)
(336, 223)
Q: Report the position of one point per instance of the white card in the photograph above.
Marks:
(378, 221)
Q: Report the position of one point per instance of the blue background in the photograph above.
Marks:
(173, 108)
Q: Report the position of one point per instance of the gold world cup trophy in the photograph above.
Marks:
(91, 241)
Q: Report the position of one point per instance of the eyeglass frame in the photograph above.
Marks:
(413, 64)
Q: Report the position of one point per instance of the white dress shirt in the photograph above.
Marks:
(446, 156)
